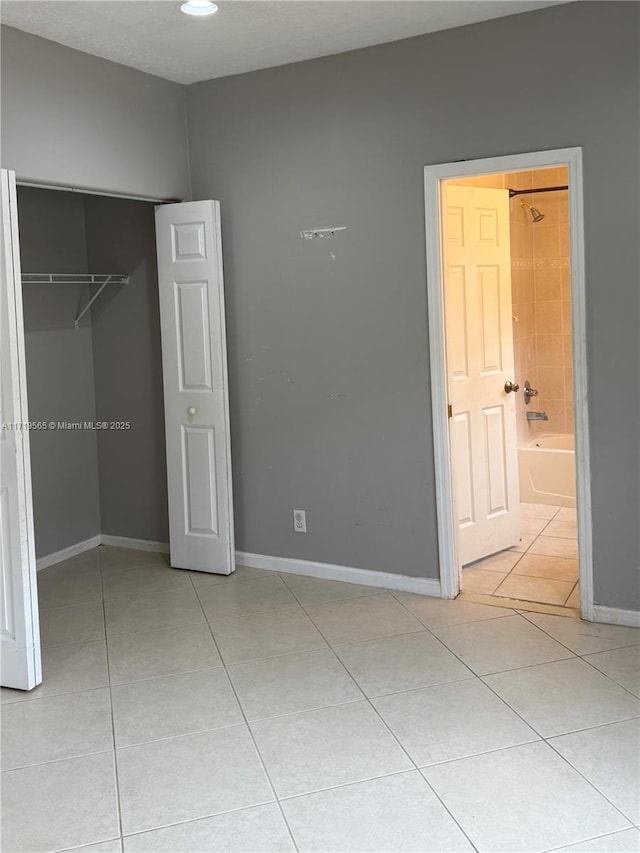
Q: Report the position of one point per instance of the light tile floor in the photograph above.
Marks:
(542, 568)
(191, 712)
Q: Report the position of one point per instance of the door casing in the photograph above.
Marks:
(445, 508)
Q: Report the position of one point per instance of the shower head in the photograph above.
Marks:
(536, 216)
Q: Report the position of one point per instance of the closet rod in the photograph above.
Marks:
(84, 191)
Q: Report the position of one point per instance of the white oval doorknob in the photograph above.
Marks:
(191, 411)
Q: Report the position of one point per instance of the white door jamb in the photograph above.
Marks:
(433, 175)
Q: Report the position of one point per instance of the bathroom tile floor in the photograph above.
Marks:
(543, 568)
(267, 712)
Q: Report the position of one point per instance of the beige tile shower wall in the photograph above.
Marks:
(541, 302)
(552, 294)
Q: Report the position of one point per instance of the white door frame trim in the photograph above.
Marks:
(433, 176)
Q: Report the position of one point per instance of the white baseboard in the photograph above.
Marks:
(325, 571)
(328, 571)
(100, 539)
(615, 616)
(67, 553)
(134, 544)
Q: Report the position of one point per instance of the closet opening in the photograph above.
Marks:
(94, 371)
(114, 369)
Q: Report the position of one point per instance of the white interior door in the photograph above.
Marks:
(479, 343)
(19, 627)
(194, 358)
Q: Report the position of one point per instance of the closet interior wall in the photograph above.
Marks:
(59, 361)
(87, 482)
(127, 358)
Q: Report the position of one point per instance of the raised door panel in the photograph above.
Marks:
(193, 336)
(493, 428)
(188, 241)
(200, 475)
(490, 321)
(457, 331)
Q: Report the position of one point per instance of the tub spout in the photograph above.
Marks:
(537, 416)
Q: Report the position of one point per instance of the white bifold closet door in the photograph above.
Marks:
(194, 360)
(19, 628)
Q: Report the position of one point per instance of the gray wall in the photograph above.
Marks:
(60, 380)
(69, 118)
(128, 370)
(329, 369)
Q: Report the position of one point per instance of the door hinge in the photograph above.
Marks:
(450, 411)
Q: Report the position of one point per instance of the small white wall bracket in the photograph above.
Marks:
(81, 314)
(310, 233)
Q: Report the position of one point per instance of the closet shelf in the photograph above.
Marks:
(73, 278)
(102, 279)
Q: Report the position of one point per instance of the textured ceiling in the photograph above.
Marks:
(154, 36)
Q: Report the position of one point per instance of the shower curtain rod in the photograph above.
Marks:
(538, 190)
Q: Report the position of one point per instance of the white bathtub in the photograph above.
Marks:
(548, 470)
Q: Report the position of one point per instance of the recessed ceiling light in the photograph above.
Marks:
(199, 7)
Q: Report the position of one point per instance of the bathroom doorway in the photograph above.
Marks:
(508, 310)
